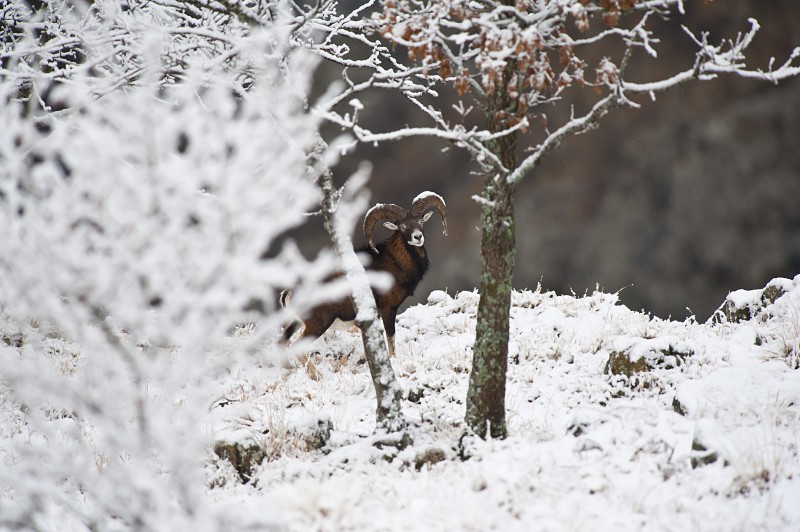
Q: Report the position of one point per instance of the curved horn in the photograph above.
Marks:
(378, 213)
(427, 201)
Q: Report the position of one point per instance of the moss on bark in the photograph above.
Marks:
(485, 413)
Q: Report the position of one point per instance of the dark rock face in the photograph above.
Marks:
(695, 208)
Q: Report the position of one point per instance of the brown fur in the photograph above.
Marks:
(406, 263)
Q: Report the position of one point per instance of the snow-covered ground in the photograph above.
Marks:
(617, 421)
(705, 439)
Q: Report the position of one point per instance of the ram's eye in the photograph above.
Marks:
(402, 227)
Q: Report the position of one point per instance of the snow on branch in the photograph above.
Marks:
(142, 238)
(46, 46)
(726, 58)
(342, 211)
(468, 46)
(529, 52)
(575, 126)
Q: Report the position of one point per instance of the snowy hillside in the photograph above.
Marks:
(617, 421)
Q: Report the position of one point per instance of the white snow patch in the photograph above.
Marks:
(708, 444)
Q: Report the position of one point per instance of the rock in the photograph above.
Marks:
(621, 363)
(772, 292)
(317, 437)
(245, 450)
(13, 340)
(701, 455)
(244, 456)
(429, 457)
(743, 305)
(396, 440)
(437, 297)
(678, 407)
(730, 313)
(466, 447)
(416, 394)
(640, 355)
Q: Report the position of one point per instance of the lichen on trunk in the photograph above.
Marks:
(487, 384)
(485, 413)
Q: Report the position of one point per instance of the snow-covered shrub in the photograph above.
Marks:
(138, 226)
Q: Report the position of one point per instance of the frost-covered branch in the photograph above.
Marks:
(469, 46)
(576, 126)
(51, 44)
(140, 235)
(341, 215)
(727, 58)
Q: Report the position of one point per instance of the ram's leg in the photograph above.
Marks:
(290, 330)
(389, 325)
(293, 332)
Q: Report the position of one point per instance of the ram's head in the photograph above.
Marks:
(408, 222)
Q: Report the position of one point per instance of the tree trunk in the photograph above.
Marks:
(485, 413)
(388, 391)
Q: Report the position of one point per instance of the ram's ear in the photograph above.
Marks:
(427, 216)
(390, 225)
